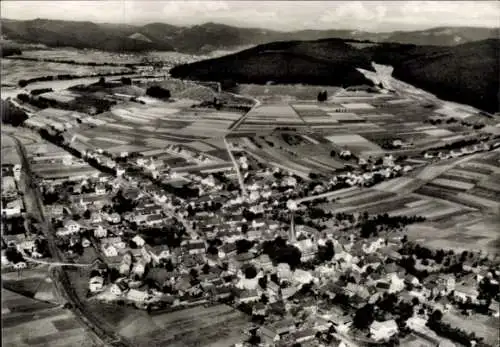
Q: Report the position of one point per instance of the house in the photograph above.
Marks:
(109, 251)
(284, 326)
(463, 292)
(154, 219)
(288, 292)
(195, 247)
(100, 189)
(248, 296)
(86, 242)
(100, 232)
(56, 210)
(269, 335)
(139, 241)
(259, 309)
(219, 293)
(137, 295)
(96, 284)
(114, 218)
(72, 227)
(124, 268)
(383, 330)
(96, 218)
(304, 335)
(139, 268)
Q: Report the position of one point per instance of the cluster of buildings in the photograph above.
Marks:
(12, 200)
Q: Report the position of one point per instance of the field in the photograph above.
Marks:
(218, 325)
(472, 183)
(28, 322)
(293, 92)
(15, 70)
(9, 151)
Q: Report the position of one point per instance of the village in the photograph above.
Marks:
(304, 275)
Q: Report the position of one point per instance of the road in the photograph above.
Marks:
(60, 278)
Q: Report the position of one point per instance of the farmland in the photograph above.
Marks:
(29, 322)
(15, 70)
(218, 325)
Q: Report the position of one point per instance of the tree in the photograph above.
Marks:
(126, 81)
(212, 250)
(158, 92)
(205, 268)
(364, 317)
(322, 96)
(193, 273)
(86, 214)
(436, 316)
(102, 81)
(263, 282)
(243, 245)
(250, 272)
(333, 153)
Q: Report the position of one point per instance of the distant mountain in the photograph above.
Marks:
(210, 36)
(55, 33)
(467, 73)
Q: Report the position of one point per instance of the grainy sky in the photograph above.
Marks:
(277, 15)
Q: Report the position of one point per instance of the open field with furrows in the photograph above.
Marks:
(356, 200)
(399, 185)
(218, 325)
(460, 231)
(29, 322)
(15, 70)
(430, 209)
(353, 142)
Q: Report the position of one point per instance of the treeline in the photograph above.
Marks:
(9, 51)
(459, 144)
(73, 62)
(84, 103)
(454, 334)
(57, 139)
(11, 114)
(371, 227)
(64, 77)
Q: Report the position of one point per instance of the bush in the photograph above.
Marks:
(158, 92)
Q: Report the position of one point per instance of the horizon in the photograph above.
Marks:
(251, 27)
(286, 16)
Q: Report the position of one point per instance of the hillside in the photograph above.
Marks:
(467, 73)
(55, 33)
(210, 36)
(323, 62)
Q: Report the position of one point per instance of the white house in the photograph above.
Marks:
(118, 288)
(139, 268)
(100, 232)
(114, 218)
(383, 330)
(137, 295)
(139, 241)
(96, 284)
(100, 189)
(72, 226)
(85, 242)
(109, 251)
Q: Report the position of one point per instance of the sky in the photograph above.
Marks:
(276, 15)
